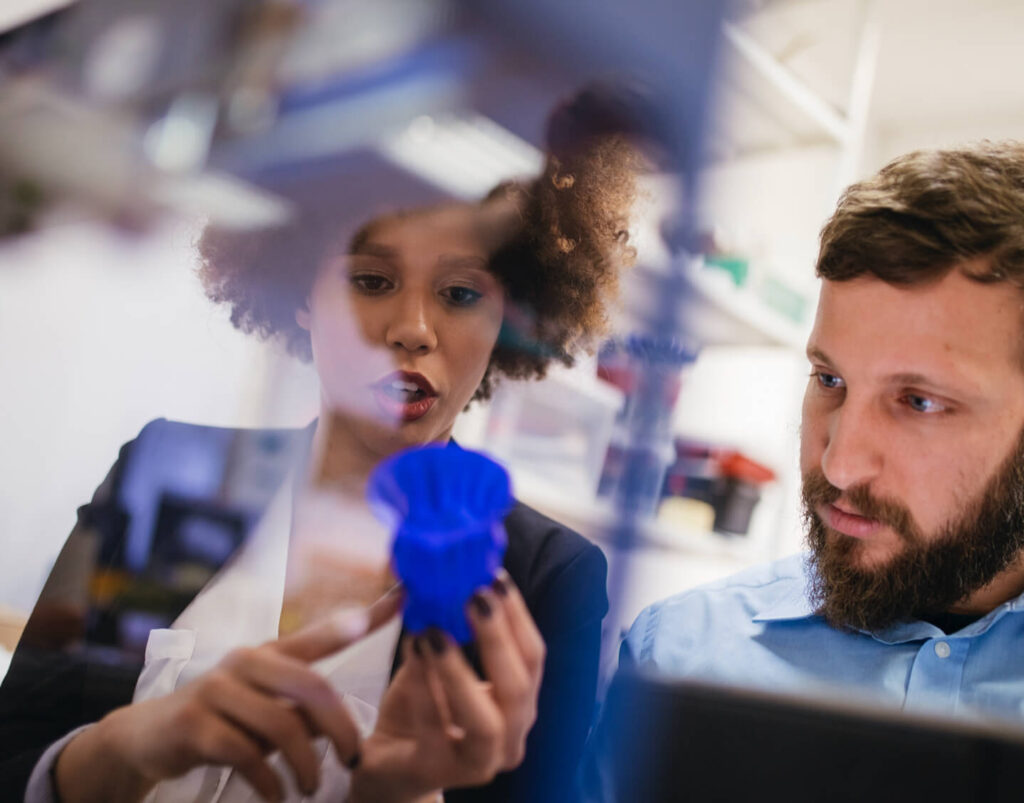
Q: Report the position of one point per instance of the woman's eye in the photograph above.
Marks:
(462, 296)
(370, 283)
(828, 381)
(922, 404)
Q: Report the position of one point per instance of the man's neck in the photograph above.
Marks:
(1007, 584)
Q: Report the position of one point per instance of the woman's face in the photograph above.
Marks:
(419, 288)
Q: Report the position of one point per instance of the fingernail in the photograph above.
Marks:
(481, 605)
(436, 640)
(351, 624)
(500, 585)
(417, 646)
(353, 763)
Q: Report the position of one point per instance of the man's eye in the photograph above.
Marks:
(369, 283)
(462, 296)
(828, 381)
(922, 404)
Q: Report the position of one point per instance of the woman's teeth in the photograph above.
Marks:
(405, 389)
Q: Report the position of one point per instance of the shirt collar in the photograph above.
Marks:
(794, 604)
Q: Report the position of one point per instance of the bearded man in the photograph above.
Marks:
(912, 454)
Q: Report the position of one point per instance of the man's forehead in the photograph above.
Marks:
(955, 328)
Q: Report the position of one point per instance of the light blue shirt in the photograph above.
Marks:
(758, 629)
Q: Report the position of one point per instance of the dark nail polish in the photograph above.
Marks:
(481, 605)
(417, 646)
(500, 585)
(436, 640)
(353, 762)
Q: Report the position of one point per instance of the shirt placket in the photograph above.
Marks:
(936, 676)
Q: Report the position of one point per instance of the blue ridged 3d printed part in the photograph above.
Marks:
(445, 506)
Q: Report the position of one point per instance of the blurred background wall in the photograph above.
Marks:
(101, 330)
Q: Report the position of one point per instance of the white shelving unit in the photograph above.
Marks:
(670, 558)
(714, 308)
(753, 64)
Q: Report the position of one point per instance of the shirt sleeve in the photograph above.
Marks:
(50, 689)
(42, 783)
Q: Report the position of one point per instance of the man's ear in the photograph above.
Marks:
(302, 315)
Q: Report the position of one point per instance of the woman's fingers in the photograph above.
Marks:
(221, 743)
(418, 693)
(275, 724)
(527, 636)
(338, 631)
(473, 710)
(512, 684)
(282, 676)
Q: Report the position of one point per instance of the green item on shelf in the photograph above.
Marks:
(783, 299)
(736, 267)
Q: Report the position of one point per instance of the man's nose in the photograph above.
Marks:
(411, 325)
(853, 451)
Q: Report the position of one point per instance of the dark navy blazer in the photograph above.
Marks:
(185, 495)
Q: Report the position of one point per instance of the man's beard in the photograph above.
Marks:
(928, 575)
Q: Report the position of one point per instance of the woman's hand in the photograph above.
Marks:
(439, 725)
(255, 701)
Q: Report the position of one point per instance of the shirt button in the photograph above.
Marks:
(942, 649)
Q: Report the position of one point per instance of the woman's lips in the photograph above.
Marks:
(404, 395)
(848, 523)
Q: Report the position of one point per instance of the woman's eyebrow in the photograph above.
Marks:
(462, 261)
(375, 250)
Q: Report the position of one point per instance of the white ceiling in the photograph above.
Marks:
(940, 62)
(17, 12)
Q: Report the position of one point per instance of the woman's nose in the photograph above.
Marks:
(411, 327)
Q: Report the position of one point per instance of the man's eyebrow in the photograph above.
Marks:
(814, 354)
(912, 379)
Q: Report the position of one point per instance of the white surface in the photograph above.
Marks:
(100, 333)
(17, 12)
(939, 62)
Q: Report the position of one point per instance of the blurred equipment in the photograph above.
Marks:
(640, 451)
(132, 109)
(717, 743)
(556, 431)
(727, 480)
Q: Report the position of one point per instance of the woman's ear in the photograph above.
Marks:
(302, 316)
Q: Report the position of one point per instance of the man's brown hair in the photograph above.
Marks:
(929, 211)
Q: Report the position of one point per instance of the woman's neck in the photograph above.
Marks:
(338, 459)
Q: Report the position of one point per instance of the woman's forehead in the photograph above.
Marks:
(455, 225)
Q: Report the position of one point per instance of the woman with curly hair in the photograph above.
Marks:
(456, 297)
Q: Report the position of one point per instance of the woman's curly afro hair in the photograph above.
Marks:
(559, 262)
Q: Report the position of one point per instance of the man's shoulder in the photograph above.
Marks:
(757, 587)
(729, 609)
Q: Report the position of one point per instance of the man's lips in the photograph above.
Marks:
(847, 522)
(404, 395)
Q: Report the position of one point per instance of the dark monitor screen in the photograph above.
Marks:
(688, 741)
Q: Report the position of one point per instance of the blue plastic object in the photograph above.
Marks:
(445, 505)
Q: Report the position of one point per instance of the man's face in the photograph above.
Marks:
(911, 424)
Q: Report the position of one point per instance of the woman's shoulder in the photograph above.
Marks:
(162, 440)
(561, 574)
